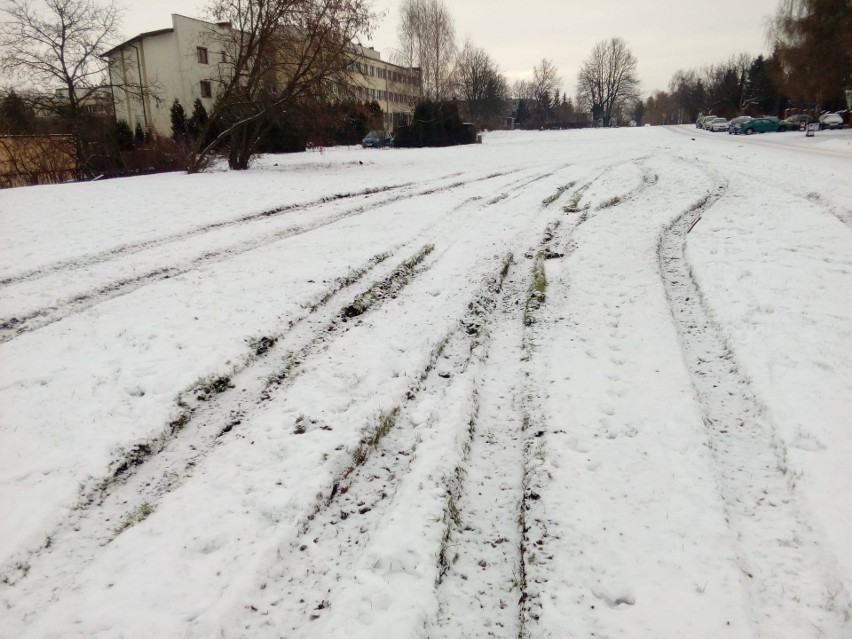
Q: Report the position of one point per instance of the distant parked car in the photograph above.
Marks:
(797, 122)
(376, 139)
(717, 124)
(830, 121)
(732, 125)
(758, 125)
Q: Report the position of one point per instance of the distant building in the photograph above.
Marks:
(148, 72)
(395, 88)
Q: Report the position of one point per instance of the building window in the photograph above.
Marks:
(201, 55)
(206, 89)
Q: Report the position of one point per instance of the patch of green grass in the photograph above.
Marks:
(574, 204)
(453, 510)
(537, 292)
(613, 201)
(212, 385)
(551, 199)
(384, 423)
(139, 514)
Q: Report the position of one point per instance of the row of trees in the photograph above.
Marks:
(427, 39)
(810, 67)
(607, 86)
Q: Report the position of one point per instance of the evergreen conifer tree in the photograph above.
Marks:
(180, 125)
(198, 120)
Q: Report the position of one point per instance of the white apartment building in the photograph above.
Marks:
(148, 72)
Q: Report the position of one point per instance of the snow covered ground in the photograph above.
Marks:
(560, 384)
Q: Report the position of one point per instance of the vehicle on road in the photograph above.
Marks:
(830, 121)
(758, 125)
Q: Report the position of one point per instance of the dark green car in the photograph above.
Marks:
(798, 122)
(758, 125)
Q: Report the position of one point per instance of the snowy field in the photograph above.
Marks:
(561, 384)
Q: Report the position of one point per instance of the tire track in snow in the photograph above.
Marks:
(154, 467)
(649, 179)
(481, 563)
(66, 555)
(369, 490)
(361, 503)
(534, 547)
(478, 546)
(131, 479)
(136, 247)
(790, 578)
(14, 326)
(532, 521)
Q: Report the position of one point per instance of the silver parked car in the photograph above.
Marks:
(702, 121)
(717, 124)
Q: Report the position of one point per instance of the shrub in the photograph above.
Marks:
(435, 124)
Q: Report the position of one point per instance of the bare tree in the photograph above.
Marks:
(607, 79)
(54, 47)
(427, 40)
(545, 89)
(478, 82)
(522, 90)
(278, 56)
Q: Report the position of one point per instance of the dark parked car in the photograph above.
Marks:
(732, 125)
(376, 139)
(798, 122)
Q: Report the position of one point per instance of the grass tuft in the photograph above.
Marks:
(134, 517)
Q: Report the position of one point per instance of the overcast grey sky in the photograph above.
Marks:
(664, 35)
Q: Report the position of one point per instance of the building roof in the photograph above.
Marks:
(367, 52)
(151, 34)
(135, 39)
